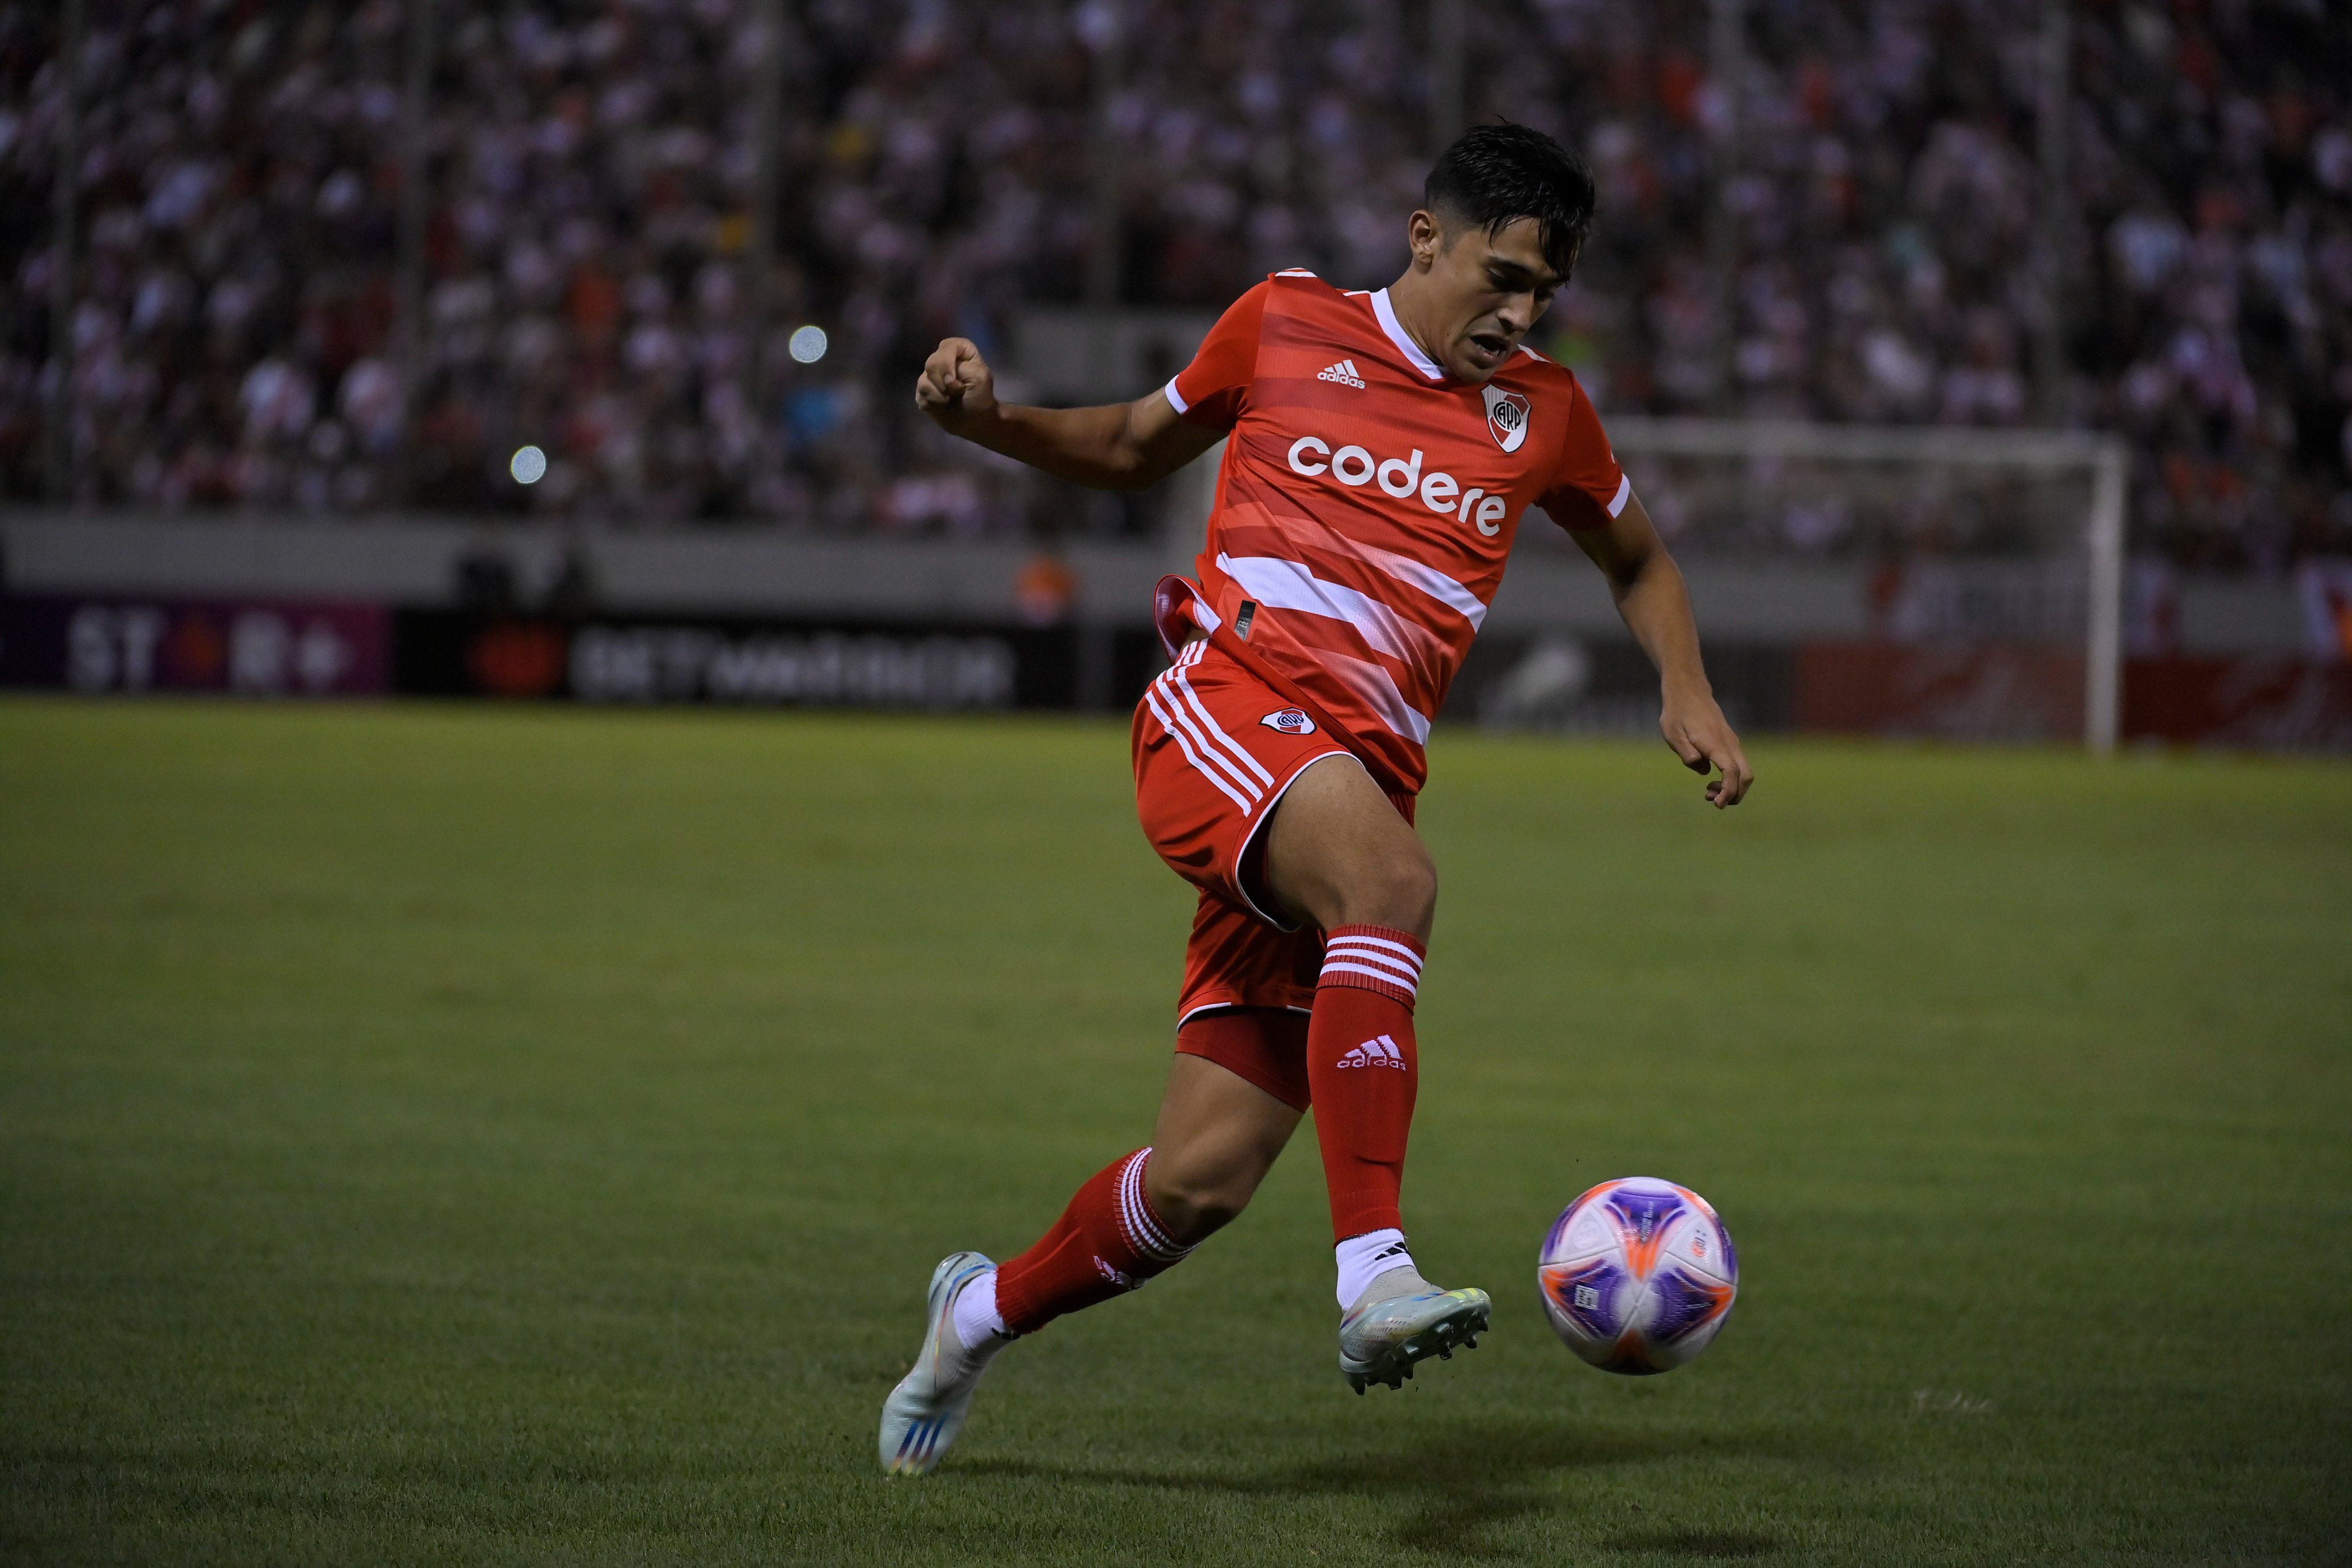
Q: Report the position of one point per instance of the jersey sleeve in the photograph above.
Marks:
(1213, 388)
(1588, 489)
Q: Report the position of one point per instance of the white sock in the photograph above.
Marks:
(977, 1322)
(1364, 1258)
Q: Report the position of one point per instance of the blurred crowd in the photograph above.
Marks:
(589, 278)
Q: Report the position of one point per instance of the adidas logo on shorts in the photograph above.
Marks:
(1381, 1052)
(1344, 373)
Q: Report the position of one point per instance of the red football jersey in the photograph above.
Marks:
(1367, 502)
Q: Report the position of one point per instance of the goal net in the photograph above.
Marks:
(1963, 584)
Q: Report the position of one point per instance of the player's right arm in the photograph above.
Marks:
(1120, 446)
(1116, 446)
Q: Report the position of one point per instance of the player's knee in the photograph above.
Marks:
(1397, 890)
(1194, 1201)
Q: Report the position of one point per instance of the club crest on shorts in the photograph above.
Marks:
(1290, 721)
(1507, 416)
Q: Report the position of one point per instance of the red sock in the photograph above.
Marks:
(1363, 1069)
(1108, 1242)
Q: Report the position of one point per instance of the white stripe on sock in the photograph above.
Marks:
(1143, 1231)
(1395, 949)
(1383, 976)
(1352, 955)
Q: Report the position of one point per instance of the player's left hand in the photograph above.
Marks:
(1694, 726)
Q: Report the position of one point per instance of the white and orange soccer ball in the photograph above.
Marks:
(1638, 1275)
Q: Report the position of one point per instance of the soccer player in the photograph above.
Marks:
(1381, 448)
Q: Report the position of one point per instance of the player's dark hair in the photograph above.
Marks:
(1496, 174)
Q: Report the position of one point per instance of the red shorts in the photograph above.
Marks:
(1215, 748)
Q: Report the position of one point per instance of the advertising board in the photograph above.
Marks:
(768, 662)
(252, 647)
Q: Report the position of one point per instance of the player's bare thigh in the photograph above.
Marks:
(1339, 854)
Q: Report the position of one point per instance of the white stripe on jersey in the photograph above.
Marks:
(1377, 690)
(1175, 398)
(1280, 584)
(1624, 494)
(1428, 579)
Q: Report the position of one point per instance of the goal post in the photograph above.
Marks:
(2010, 536)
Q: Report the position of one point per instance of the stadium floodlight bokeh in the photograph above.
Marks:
(1852, 214)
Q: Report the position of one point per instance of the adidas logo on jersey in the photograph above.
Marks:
(1381, 1052)
(1344, 373)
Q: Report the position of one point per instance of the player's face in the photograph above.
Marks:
(1486, 290)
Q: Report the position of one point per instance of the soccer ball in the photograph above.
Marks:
(1638, 1275)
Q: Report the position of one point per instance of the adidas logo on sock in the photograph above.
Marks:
(1381, 1052)
(1344, 373)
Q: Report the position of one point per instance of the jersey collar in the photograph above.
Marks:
(1430, 368)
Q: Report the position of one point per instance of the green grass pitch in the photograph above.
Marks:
(523, 1136)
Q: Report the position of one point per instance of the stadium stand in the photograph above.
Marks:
(592, 170)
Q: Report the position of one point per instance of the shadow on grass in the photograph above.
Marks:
(1708, 1545)
(1462, 1481)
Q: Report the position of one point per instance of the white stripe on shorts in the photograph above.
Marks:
(1151, 697)
(1185, 685)
(1174, 701)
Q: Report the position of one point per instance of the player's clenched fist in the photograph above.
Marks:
(955, 384)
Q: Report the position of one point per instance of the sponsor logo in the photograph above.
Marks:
(1381, 1052)
(1588, 1299)
(1290, 721)
(254, 647)
(668, 663)
(1507, 416)
(1124, 1281)
(1344, 373)
(1401, 477)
